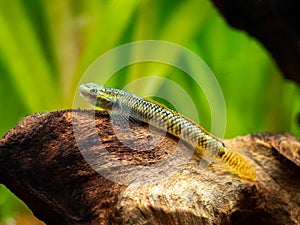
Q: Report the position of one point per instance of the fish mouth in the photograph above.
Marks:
(84, 90)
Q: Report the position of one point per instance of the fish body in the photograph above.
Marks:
(130, 105)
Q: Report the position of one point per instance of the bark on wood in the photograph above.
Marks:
(275, 23)
(74, 167)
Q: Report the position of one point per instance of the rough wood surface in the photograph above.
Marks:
(74, 167)
(275, 23)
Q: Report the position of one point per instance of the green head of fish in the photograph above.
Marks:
(100, 96)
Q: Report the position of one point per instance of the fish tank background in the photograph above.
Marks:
(45, 48)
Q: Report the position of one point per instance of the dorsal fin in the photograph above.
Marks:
(177, 113)
(157, 103)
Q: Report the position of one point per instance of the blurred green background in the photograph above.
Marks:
(45, 47)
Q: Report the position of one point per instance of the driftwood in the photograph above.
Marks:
(275, 23)
(74, 167)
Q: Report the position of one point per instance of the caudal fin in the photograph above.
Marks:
(236, 164)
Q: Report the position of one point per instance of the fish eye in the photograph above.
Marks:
(93, 91)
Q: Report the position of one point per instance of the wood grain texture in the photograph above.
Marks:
(74, 167)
